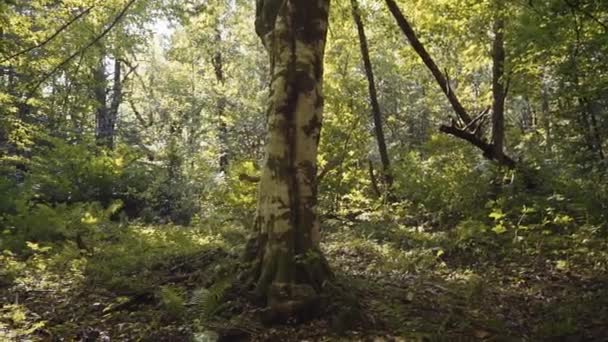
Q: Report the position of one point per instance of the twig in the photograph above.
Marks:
(474, 121)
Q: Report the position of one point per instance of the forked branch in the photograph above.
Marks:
(465, 127)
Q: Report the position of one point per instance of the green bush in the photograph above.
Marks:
(46, 223)
(451, 182)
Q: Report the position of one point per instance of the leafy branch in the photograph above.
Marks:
(59, 66)
(51, 37)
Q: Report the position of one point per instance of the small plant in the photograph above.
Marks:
(209, 301)
(172, 302)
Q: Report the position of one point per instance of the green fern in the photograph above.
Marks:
(209, 300)
(172, 302)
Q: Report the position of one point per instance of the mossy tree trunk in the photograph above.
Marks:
(287, 268)
(218, 66)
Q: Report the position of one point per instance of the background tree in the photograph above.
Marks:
(376, 114)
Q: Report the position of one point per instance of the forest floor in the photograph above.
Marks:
(400, 283)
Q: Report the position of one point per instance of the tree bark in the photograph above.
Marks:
(287, 269)
(372, 178)
(585, 124)
(373, 96)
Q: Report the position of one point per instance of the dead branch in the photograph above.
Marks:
(248, 178)
(487, 148)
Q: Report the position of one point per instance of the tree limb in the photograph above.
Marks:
(407, 30)
(83, 49)
(488, 149)
(51, 37)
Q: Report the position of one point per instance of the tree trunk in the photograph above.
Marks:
(107, 115)
(218, 67)
(3, 122)
(372, 178)
(585, 124)
(115, 104)
(287, 269)
(594, 134)
(100, 93)
(546, 117)
(498, 87)
(373, 96)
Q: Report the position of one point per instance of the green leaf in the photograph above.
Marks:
(497, 214)
(499, 229)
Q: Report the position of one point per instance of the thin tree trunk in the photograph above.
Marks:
(498, 88)
(585, 124)
(598, 139)
(373, 96)
(593, 129)
(546, 118)
(372, 178)
(174, 173)
(107, 115)
(287, 269)
(3, 124)
(218, 67)
(101, 97)
(115, 104)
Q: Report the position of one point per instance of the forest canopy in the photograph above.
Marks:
(230, 170)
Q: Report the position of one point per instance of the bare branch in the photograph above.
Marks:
(481, 115)
(243, 177)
